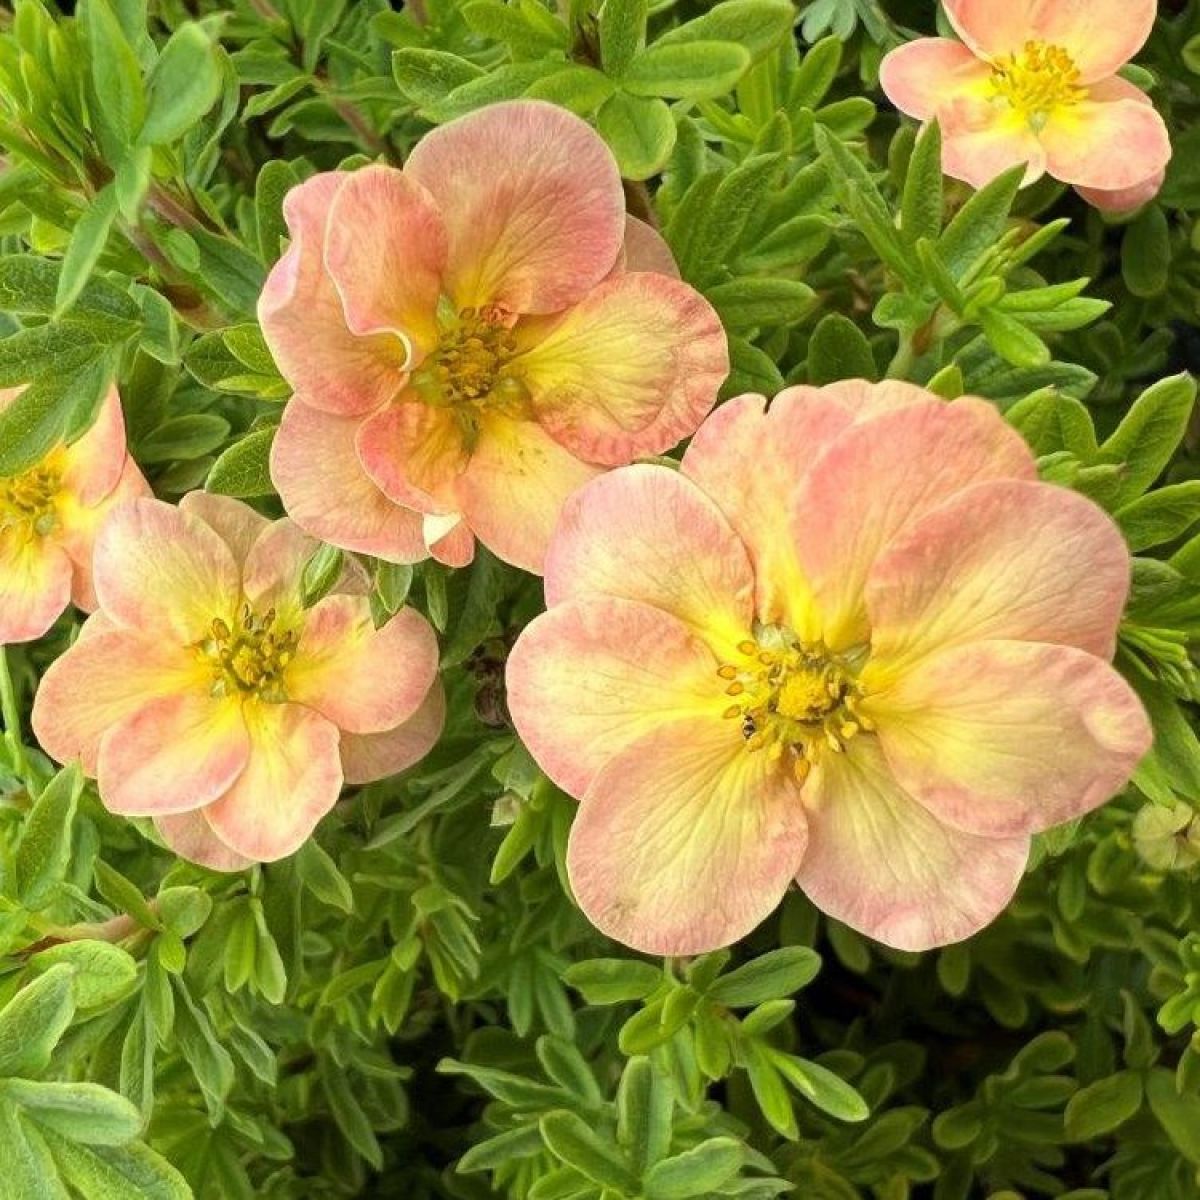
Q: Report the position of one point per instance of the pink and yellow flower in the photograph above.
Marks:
(48, 519)
(1035, 82)
(473, 337)
(203, 694)
(854, 642)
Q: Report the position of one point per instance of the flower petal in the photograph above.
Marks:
(919, 77)
(591, 676)
(172, 754)
(163, 572)
(305, 326)
(363, 679)
(326, 490)
(1124, 200)
(1001, 738)
(515, 486)
(1099, 35)
(648, 533)
(1009, 559)
(645, 249)
(233, 521)
(274, 568)
(629, 371)
(35, 585)
(413, 453)
(1079, 142)
(105, 676)
(292, 779)
(190, 836)
(878, 862)
(532, 203)
(685, 841)
(385, 249)
(449, 538)
(92, 465)
(982, 139)
(878, 477)
(370, 756)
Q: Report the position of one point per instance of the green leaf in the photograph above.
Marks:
(1100, 1107)
(1050, 422)
(771, 976)
(757, 25)
(1146, 253)
(640, 132)
(1014, 342)
(922, 203)
(1150, 433)
(116, 79)
(28, 1170)
(645, 1102)
(44, 847)
(829, 1092)
(622, 34)
(133, 1172)
(348, 1113)
(87, 243)
(83, 1112)
(572, 1140)
(837, 350)
(428, 76)
(275, 180)
(700, 1171)
(978, 225)
(613, 980)
(746, 304)
(1178, 1115)
(104, 973)
(1161, 515)
(244, 470)
(686, 71)
(512, 1145)
(32, 1022)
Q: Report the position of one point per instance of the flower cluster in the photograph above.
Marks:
(851, 642)
(1036, 83)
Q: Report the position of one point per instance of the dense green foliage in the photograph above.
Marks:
(411, 1005)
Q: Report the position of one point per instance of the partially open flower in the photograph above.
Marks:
(472, 338)
(203, 694)
(48, 519)
(1035, 82)
(855, 643)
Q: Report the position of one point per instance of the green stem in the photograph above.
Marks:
(12, 721)
(903, 359)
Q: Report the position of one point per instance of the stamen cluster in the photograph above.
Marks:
(1039, 79)
(250, 658)
(28, 499)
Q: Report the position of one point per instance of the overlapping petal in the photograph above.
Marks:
(684, 841)
(414, 453)
(922, 76)
(35, 585)
(1079, 140)
(370, 756)
(191, 836)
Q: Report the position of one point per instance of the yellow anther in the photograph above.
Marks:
(734, 710)
(727, 672)
(1038, 79)
(27, 501)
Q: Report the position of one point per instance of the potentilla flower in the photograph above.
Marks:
(854, 642)
(1035, 82)
(472, 338)
(48, 519)
(203, 694)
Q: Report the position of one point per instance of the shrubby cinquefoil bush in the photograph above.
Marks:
(599, 599)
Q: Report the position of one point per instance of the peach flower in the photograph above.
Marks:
(472, 338)
(48, 519)
(202, 694)
(1035, 82)
(854, 643)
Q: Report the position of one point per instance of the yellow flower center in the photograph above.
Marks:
(1037, 80)
(28, 500)
(792, 697)
(471, 364)
(251, 658)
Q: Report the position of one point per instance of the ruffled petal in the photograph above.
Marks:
(304, 324)
(648, 533)
(1004, 738)
(233, 521)
(172, 754)
(629, 371)
(532, 202)
(108, 674)
(1012, 559)
(385, 249)
(685, 841)
(35, 585)
(878, 477)
(982, 139)
(1124, 200)
(592, 676)
(274, 569)
(414, 453)
(292, 779)
(878, 862)
(370, 756)
(1079, 141)
(645, 249)
(191, 836)
(514, 488)
(162, 572)
(92, 465)
(919, 77)
(326, 490)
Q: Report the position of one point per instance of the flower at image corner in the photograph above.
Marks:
(201, 693)
(1035, 82)
(472, 338)
(854, 643)
(49, 513)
